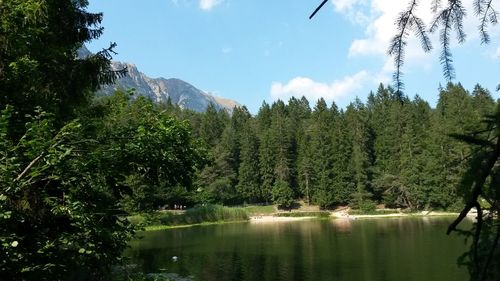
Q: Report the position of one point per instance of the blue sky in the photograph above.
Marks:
(255, 50)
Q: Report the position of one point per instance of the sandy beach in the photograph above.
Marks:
(345, 215)
(273, 219)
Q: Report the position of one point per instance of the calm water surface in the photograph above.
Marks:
(399, 249)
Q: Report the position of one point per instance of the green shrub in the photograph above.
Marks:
(136, 219)
(367, 206)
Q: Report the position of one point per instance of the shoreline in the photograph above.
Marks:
(207, 223)
(342, 215)
(272, 219)
(339, 215)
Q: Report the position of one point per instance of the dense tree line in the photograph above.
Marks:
(389, 150)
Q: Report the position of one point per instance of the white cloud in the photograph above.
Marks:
(346, 5)
(312, 90)
(226, 50)
(497, 54)
(380, 27)
(208, 5)
(355, 10)
(378, 18)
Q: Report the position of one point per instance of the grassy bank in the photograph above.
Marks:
(201, 215)
(260, 210)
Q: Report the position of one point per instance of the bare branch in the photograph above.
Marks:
(318, 8)
(33, 162)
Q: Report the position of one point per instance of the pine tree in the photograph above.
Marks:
(281, 143)
(212, 125)
(412, 191)
(361, 157)
(343, 182)
(266, 164)
(321, 155)
(249, 184)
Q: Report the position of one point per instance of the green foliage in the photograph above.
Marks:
(200, 214)
(282, 195)
(260, 210)
(249, 185)
(392, 150)
(38, 58)
(151, 155)
(59, 218)
(367, 206)
(481, 183)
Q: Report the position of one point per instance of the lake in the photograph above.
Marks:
(389, 249)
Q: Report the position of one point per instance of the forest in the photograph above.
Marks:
(73, 166)
(389, 150)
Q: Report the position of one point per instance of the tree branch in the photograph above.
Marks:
(318, 8)
(33, 162)
(478, 186)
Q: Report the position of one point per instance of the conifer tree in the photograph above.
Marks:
(361, 157)
(321, 155)
(249, 182)
(212, 125)
(343, 181)
(281, 143)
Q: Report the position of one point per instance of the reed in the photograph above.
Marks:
(207, 213)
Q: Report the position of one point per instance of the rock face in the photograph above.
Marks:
(160, 89)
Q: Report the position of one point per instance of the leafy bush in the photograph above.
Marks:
(137, 219)
(367, 206)
(58, 216)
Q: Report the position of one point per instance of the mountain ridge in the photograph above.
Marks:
(160, 89)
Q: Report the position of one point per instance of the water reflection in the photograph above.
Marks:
(342, 225)
(389, 249)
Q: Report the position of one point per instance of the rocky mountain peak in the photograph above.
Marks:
(160, 89)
